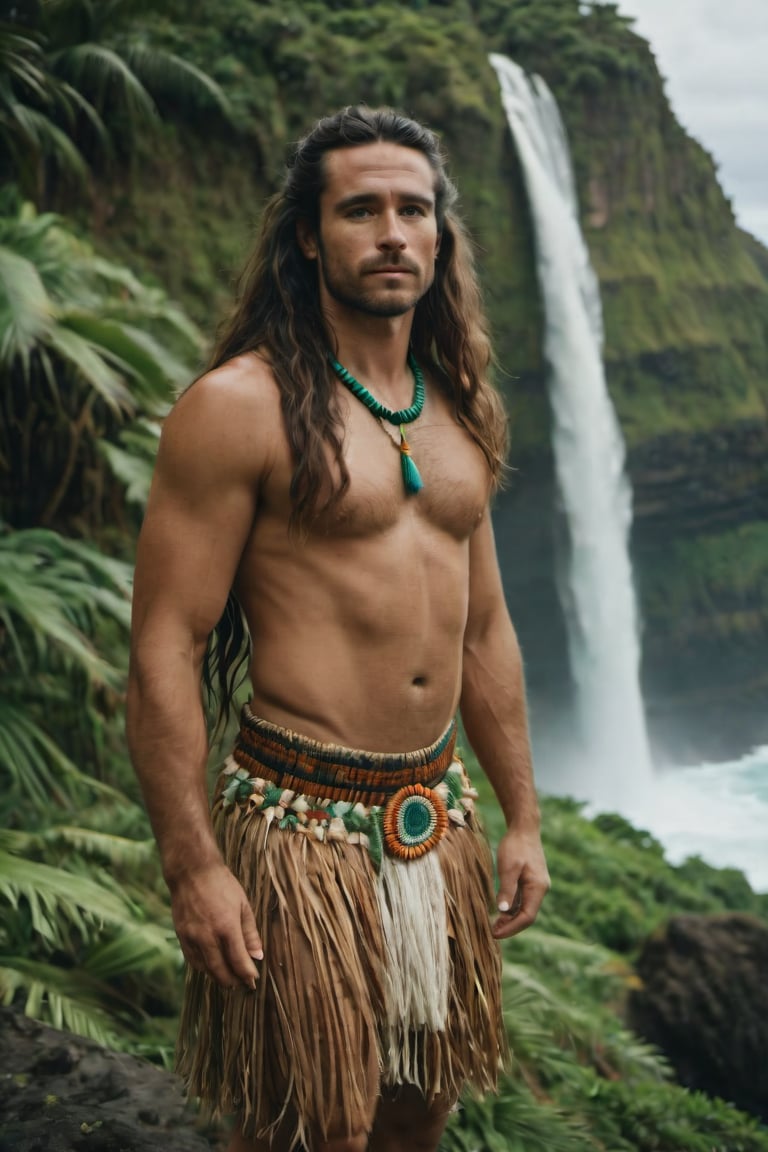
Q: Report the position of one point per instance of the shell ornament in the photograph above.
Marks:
(414, 820)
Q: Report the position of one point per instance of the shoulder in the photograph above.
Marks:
(242, 387)
(230, 413)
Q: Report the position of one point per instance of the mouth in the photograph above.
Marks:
(391, 270)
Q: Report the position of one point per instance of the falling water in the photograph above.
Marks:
(598, 594)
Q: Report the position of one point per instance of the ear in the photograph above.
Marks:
(437, 244)
(306, 239)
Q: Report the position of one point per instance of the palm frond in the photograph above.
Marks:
(50, 140)
(135, 952)
(105, 78)
(64, 998)
(86, 901)
(25, 308)
(152, 369)
(85, 359)
(79, 104)
(32, 765)
(56, 899)
(118, 851)
(132, 460)
(47, 587)
(168, 76)
(22, 64)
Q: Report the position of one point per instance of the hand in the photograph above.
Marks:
(215, 926)
(523, 882)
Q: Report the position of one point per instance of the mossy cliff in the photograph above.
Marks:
(685, 296)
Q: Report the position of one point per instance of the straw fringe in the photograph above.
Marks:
(417, 962)
(311, 1046)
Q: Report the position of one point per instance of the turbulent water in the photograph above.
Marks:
(716, 811)
(597, 592)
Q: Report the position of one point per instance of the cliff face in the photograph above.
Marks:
(685, 296)
(686, 312)
(685, 300)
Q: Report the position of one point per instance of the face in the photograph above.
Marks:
(377, 239)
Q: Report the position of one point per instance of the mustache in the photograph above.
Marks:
(381, 265)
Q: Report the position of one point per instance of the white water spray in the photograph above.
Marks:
(598, 595)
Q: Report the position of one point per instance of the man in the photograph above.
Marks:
(330, 475)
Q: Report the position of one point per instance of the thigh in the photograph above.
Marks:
(406, 1122)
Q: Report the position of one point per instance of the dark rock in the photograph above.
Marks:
(63, 1093)
(58, 1060)
(704, 1003)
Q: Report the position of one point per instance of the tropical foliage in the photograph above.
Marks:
(90, 358)
(80, 83)
(85, 349)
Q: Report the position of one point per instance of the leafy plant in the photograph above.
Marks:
(79, 82)
(84, 347)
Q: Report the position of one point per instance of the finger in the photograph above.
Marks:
(517, 920)
(191, 954)
(238, 958)
(217, 966)
(510, 898)
(510, 895)
(251, 937)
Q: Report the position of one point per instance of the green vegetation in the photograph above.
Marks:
(579, 1080)
(81, 83)
(136, 144)
(715, 582)
(679, 278)
(90, 357)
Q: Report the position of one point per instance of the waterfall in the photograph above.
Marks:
(614, 765)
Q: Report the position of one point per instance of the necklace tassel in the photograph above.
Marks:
(411, 476)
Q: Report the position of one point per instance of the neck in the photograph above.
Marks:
(375, 350)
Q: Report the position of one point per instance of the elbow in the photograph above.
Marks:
(489, 631)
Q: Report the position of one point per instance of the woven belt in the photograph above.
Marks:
(330, 770)
(401, 804)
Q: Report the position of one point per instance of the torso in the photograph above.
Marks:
(357, 629)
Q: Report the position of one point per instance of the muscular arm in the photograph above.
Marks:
(494, 714)
(200, 511)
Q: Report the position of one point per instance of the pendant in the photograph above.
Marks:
(411, 476)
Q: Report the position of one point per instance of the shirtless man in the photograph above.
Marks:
(343, 980)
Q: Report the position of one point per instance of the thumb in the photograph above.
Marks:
(508, 898)
(251, 937)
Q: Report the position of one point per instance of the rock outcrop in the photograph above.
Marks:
(704, 1003)
(62, 1093)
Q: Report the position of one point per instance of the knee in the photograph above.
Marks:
(423, 1136)
(405, 1122)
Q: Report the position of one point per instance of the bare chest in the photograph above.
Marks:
(451, 466)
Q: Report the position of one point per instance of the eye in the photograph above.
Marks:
(358, 213)
(413, 210)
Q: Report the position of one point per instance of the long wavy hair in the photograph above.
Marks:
(277, 310)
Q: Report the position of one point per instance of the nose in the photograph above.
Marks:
(391, 235)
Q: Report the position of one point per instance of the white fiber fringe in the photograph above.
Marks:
(417, 960)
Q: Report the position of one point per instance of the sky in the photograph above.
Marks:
(713, 55)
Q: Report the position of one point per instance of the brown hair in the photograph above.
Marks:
(278, 310)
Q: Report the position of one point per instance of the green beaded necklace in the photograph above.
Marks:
(411, 478)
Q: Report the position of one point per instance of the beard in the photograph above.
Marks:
(345, 288)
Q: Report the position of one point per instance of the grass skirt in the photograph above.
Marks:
(377, 970)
